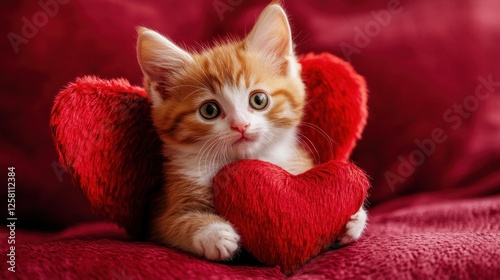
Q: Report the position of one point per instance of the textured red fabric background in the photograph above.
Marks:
(426, 59)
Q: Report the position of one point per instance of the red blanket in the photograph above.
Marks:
(445, 238)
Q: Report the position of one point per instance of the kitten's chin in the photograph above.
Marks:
(244, 148)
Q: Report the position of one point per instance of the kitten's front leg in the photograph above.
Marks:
(204, 234)
(216, 241)
(354, 227)
(185, 219)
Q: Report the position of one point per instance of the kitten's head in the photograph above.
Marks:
(239, 98)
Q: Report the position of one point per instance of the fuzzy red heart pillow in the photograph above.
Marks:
(285, 219)
(105, 138)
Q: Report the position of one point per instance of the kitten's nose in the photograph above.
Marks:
(240, 127)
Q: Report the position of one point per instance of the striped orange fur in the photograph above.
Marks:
(238, 78)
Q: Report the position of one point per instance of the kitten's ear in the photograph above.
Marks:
(159, 58)
(271, 34)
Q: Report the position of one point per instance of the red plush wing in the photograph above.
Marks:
(336, 110)
(106, 140)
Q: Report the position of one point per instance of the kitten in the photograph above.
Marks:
(237, 100)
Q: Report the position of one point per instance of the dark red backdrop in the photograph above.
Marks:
(426, 63)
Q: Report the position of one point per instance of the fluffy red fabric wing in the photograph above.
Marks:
(106, 140)
(336, 110)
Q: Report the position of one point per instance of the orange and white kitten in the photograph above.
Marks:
(238, 100)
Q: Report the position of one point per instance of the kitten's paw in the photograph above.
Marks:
(217, 241)
(354, 227)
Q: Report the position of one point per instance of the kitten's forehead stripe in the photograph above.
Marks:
(209, 77)
(242, 71)
(221, 66)
(177, 120)
(278, 114)
(289, 96)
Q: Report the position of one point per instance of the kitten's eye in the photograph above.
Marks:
(210, 110)
(259, 100)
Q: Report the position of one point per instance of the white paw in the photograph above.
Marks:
(354, 227)
(217, 241)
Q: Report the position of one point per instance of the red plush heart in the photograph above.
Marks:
(105, 138)
(286, 219)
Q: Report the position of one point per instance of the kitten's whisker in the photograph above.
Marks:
(212, 164)
(223, 153)
(292, 146)
(302, 139)
(267, 139)
(214, 167)
(307, 103)
(200, 156)
(227, 160)
(213, 157)
(317, 128)
(311, 148)
(204, 150)
(212, 161)
(181, 86)
(193, 92)
(168, 133)
(297, 152)
(305, 141)
(201, 81)
(205, 80)
(307, 146)
(331, 142)
(304, 40)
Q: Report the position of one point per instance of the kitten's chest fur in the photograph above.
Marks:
(200, 168)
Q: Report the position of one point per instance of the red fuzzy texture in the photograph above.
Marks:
(445, 238)
(105, 138)
(336, 110)
(285, 219)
